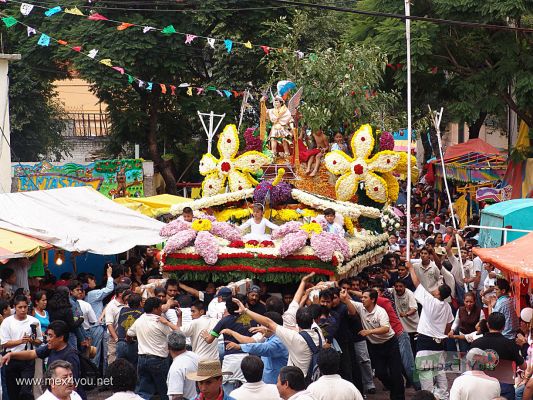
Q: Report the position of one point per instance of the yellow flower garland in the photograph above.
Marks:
(311, 228)
(348, 223)
(201, 225)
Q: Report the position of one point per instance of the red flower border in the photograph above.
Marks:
(247, 268)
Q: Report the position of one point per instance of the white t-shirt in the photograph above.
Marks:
(216, 309)
(256, 391)
(376, 318)
(403, 305)
(334, 387)
(151, 335)
(474, 385)
(205, 351)
(89, 317)
(436, 314)
(13, 329)
(299, 353)
(112, 312)
(177, 381)
(48, 395)
(125, 396)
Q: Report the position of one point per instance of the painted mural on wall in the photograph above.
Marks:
(112, 178)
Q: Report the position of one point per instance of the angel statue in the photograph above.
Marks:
(281, 117)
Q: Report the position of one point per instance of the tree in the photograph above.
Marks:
(340, 81)
(151, 117)
(468, 70)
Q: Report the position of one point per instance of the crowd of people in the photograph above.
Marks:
(403, 322)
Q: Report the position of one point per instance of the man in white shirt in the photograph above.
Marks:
(300, 355)
(183, 362)
(60, 382)
(474, 383)
(383, 345)
(291, 384)
(200, 322)
(407, 309)
(330, 385)
(426, 270)
(111, 313)
(151, 330)
(433, 327)
(89, 317)
(254, 388)
(17, 333)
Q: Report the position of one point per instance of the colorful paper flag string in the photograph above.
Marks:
(52, 11)
(189, 38)
(229, 45)
(44, 40)
(9, 21)
(25, 9)
(168, 30)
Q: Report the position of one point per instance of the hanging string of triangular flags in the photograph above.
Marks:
(189, 38)
(45, 41)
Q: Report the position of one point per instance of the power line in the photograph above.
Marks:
(403, 17)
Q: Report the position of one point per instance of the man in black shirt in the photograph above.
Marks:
(126, 345)
(253, 299)
(508, 354)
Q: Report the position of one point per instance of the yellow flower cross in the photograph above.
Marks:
(235, 170)
(362, 168)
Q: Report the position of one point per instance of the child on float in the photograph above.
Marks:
(187, 215)
(332, 222)
(339, 143)
(257, 225)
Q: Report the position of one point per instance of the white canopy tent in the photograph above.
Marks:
(77, 219)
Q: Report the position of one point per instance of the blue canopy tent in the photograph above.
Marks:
(514, 214)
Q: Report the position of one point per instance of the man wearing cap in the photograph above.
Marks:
(253, 302)
(217, 306)
(183, 362)
(208, 377)
(438, 226)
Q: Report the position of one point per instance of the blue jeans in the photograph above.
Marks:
(152, 372)
(408, 360)
(507, 391)
(128, 351)
(97, 334)
(5, 396)
(519, 392)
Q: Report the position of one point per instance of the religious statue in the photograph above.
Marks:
(282, 125)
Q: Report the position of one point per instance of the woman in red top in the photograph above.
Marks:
(310, 157)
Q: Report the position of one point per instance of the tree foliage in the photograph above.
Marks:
(468, 70)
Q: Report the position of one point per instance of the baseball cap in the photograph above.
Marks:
(224, 292)
(437, 220)
(440, 251)
(526, 314)
(255, 288)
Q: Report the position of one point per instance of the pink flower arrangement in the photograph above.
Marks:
(206, 246)
(386, 141)
(326, 243)
(292, 242)
(225, 231)
(286, 228)
(174, 227)
(179, 240)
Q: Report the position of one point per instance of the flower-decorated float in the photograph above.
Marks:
(214, 247)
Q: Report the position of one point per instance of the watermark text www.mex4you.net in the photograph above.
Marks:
(65, 381)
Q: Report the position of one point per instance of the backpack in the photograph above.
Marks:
(313, 372)
(89, 373)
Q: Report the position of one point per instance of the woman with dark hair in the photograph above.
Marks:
(122, 380)
(40, 300)
(466, 320)
(59, 308)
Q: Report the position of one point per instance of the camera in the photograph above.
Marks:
(33, 331)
